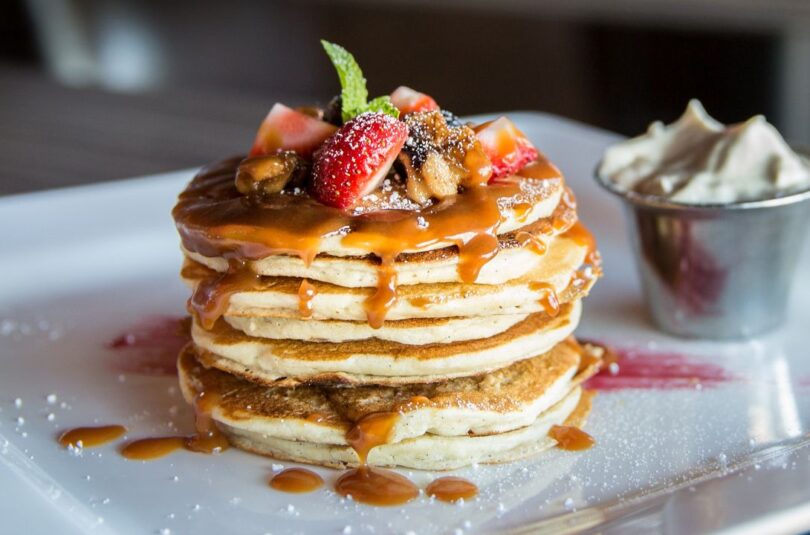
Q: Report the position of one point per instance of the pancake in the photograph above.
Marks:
(377, 361)
(211, 210)
(515, 258)
(278, 296)
(413, 332)
(498, 417)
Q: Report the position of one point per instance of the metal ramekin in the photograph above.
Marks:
(716, 271)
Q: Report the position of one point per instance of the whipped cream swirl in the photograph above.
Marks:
(698, 160)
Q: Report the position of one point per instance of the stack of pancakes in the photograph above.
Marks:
(470, 346)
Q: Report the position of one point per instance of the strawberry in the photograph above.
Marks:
(354, 161)
(507, 147)
(288, 129)
(408, 100)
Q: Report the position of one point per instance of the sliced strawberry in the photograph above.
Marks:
(353, 162)
(507, 147)
(408, 100)
(288, 129)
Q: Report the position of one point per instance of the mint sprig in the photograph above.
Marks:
(353, 92)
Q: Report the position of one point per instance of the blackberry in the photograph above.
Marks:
(332, 113)
(451, 119)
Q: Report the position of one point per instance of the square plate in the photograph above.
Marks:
(692, 436)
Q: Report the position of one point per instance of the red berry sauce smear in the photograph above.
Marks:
(644, 369)
(151, 346)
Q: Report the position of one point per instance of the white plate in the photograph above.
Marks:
(82, 265)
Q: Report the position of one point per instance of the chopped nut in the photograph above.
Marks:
(440, 178)
(416, 189)
(269, 174)
(442, 156)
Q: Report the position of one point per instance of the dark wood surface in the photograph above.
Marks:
(52, 136)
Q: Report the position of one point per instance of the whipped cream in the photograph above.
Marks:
(698, 160)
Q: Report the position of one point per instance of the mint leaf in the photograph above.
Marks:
(353, 94)
(384, 105)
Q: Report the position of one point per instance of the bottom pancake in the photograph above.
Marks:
(496, 417)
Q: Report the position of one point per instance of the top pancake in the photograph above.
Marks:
(213, 218)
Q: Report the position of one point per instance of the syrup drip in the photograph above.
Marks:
(367, 484)
(548, 300)
(212, 294)
(213, 219)
(378, 305)
(532, 241)
(451, 489)
(91, 437)
(207, 438)
(306, 293)
(420, 302)
(147, 449)
(371, 431)
(580, 235)
(296, 480)
(571, 438)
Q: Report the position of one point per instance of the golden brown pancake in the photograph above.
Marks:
(505, 410)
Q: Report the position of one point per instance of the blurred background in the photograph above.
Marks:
(95, 90)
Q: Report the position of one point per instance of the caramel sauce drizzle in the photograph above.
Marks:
(548, 300)
(212, 295)
(296, 480)
(532, 241)
(214, 220)
(91, 437)
(420, 302)
(207, 438)
(571, 438)
(146, 449)
(306, 293)
(452, 489)
(366, 484)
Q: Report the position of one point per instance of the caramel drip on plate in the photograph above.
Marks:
(452, 489)
(306, 293)
(571, 438)
(147, 449)
(296, 480)
(548, 300)
(367, 484)
(215, 220)
(207, 438)
(90, 437)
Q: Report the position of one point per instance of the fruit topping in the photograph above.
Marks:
(409, 100)
(438, 158)
(269, 174)
(354, 161)
(353, 93)
(451, 119)
(332, 113)
(507, 147)
(288, 129)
